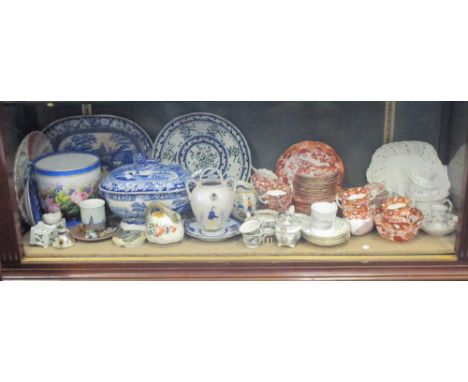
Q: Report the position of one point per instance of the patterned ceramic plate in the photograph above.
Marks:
(393, 163)
(31, 147)
(114, 139)
(200, 140)
(311, 154)
(32, 203)
(193, 229)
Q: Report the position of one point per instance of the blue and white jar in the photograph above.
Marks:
(129, 189)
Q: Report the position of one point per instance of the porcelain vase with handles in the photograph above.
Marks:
(163, 225)
(212, 199)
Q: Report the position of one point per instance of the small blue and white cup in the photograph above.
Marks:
(93, 215)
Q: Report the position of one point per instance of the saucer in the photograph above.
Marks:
(194, 229)
(340, 229)
(438, 229)
(78, 233)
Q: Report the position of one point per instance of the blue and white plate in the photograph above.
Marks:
(200, 140)
(194, 229)
(32, 203)
(113, 139)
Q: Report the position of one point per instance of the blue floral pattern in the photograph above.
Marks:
(200, 140)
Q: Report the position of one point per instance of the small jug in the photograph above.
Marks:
(163, 225)
(245, 201)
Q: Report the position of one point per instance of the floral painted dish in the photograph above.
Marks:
(393, 164)
(201, 140)
(113, 139)
(193, 228)
(315, 158)
(34, 145)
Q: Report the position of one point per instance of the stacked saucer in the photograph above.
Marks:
(338, 234)
(311, 185)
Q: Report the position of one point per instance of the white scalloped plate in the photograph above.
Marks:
(393, 163)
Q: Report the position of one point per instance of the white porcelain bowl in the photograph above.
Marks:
(65, 179)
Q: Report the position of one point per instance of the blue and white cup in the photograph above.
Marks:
(93, 215)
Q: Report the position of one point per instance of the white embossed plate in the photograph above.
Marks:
(200, 140)
(393, 163)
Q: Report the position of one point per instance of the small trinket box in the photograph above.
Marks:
(43, 234)
(129, 239)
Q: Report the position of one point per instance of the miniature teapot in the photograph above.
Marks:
(163, 226)
(212, 199)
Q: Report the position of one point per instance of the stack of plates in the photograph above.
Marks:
(338, 234)
(311, 186)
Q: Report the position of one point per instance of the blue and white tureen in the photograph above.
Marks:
(129, 189)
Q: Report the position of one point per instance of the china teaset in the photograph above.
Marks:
(79, 174)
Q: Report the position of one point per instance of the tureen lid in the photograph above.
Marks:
(145, 175)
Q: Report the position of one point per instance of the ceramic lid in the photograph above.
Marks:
(145, 175)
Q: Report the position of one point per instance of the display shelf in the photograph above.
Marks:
(422, 248)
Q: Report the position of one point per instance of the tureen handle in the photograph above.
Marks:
(214, 170)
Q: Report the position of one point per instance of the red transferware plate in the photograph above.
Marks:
(311, 153)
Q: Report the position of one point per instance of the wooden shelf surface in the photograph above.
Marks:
(421, 248)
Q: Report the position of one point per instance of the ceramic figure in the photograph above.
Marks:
(52, 217)
(212, 200)
(63, 240)
(163, 226)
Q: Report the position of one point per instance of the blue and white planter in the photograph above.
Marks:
(129, 189)
(66, 179)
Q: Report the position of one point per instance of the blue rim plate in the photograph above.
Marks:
(193, 229)
(115, 140)
(200, 140)
(33, 205)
